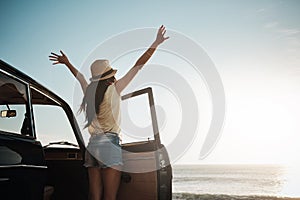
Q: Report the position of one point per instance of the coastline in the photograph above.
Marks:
(191, 196)
(234, 182)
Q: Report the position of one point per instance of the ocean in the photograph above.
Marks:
(231, 182)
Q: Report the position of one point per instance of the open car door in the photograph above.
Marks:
(147, 172)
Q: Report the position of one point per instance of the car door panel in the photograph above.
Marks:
(66, 173)
(22, 167)
(139, 178)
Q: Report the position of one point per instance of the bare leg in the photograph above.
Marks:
(111, 182)
(95, 183)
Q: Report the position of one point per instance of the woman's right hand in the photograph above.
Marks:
(59, 59)
(160, 37)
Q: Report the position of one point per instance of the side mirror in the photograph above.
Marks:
(8, 113)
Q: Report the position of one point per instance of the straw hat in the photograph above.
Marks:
(101, 69)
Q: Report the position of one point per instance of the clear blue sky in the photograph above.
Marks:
(254, 44)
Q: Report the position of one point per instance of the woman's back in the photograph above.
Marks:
(108, 119)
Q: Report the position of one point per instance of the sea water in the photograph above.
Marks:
(230, 180)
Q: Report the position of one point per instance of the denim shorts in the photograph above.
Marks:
(103, 151)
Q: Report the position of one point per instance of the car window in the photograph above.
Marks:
(51, 122)
(136, 123)
(14, 106)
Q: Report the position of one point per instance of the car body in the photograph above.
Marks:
(39, 160)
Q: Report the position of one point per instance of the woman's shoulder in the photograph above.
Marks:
(111, 89)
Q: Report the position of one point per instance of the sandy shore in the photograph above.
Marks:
(187, 196)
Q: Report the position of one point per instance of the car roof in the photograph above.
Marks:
(39, 100)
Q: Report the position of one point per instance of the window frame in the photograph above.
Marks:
(57, 104)
(28, 105)
(147, 91)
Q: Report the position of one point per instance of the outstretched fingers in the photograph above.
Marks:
(161, 29)
(62, 53)
(55, 58)
(55, 54)
(59, 59)
(161, 33)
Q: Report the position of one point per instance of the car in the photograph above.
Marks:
(42, 147)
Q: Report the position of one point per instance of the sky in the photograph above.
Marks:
(254, 46)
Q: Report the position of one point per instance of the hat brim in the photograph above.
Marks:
(105, 77)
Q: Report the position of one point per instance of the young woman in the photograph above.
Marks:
(101, 104)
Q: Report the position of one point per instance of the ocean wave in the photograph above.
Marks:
(190, 196)
(224, 179)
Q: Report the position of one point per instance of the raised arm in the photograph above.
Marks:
(124, 81)
(63, 59)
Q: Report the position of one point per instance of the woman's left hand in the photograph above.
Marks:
(160, 37)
